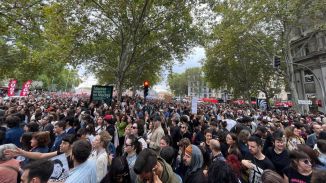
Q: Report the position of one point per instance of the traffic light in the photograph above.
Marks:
(277, 62)
(146, 85)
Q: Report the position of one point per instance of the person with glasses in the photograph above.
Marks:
(138, 130)
(300, 169)
(132, 148)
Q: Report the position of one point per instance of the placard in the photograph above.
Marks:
(194, 102)
(101, 93)
(61, 168)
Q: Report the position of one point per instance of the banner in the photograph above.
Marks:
(25, 88)
(11, 87)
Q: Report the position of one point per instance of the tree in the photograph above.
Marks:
(37, 43)
(178, 84)
(118, 35)
(278, 19)
(236, 60)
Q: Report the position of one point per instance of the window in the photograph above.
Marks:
(306, 49)
(308, 76)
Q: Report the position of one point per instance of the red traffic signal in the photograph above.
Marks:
(146, 83)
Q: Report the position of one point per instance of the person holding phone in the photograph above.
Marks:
(153, 169)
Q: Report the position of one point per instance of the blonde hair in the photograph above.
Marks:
(105, 137)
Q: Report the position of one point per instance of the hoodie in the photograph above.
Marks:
(194, 173)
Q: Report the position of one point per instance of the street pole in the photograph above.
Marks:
(319, 82)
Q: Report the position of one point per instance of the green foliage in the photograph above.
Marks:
(125, 42)
(241, 48)
(179, 82)
(36, 40)
(240, 58)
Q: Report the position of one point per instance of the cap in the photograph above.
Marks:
(107, 117)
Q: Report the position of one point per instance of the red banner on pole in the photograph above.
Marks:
(11, 87)
(25, 88)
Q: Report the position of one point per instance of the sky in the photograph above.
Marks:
(192, 60)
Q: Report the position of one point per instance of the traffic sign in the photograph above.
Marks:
(305, 102)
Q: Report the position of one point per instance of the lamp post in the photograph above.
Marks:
(319, 82)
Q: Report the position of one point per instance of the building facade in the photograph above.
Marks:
(308, 48)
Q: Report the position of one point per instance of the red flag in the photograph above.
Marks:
(11, 87)
(25, 88)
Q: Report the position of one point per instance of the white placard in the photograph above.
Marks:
(305, 102)
(194, 102)
(61, 168)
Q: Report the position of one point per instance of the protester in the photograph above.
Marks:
(59, 130)
(223, 132)
(132, 149)
(119, 172)
(256, 161)
(137, 130)
(300, 169)
(9, 167)
(193, 159)
(84, 170)
(220, 172)
(151, 168)
(37, 171)
(278, 153)
(14, 132)
(99, 153)
(158, 133)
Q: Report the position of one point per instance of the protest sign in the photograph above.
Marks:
(102, 93)
(61, 168)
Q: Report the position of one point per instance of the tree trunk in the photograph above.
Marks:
(292, 86)
(119, 89)
(290, 69)
(134, 90)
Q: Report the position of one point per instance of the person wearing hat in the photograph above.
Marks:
(278, 154)
(194, 160)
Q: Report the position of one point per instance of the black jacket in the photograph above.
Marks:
(195, 177)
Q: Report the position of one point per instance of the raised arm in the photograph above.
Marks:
(31, 155)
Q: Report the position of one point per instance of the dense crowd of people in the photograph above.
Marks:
(153, 141)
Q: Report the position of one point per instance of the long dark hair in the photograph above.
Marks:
(220, 172)
(119, 169)
(134, 141)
